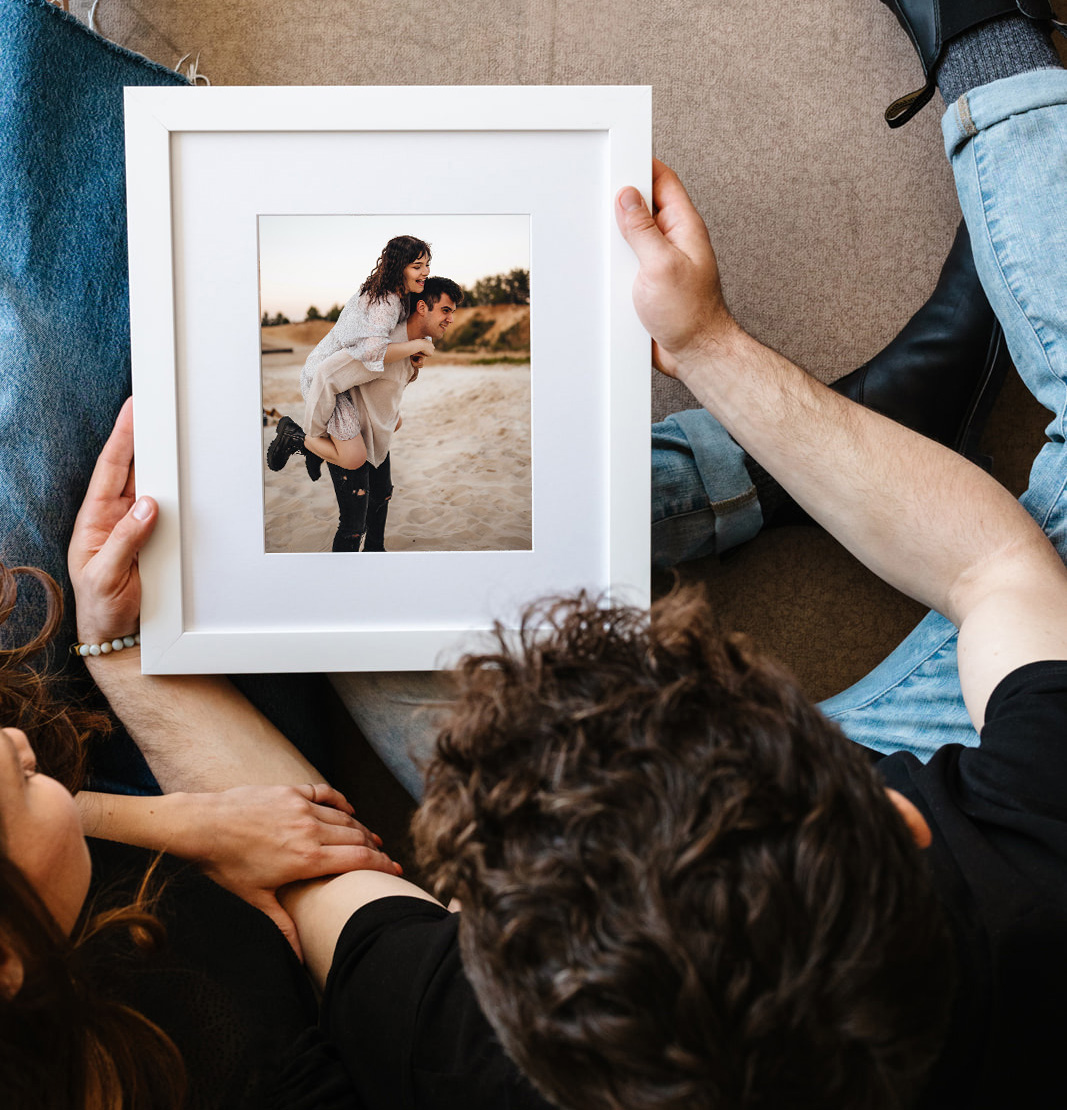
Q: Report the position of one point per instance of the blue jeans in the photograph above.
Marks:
(1008, 145)
(1007, 142)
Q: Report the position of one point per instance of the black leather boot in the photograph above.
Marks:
(940, 376)
(286, 443)
(289, 441)
(931, 23)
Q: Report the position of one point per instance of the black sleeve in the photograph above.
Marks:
(1020, 766)
(402, 1014)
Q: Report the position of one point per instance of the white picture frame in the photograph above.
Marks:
(202, 165)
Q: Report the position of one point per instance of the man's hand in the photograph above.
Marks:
(110, 529)
(677, 292)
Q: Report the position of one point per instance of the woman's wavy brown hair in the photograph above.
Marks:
(681, 886)
(64, 1045)
(27, 700)
(388, 274)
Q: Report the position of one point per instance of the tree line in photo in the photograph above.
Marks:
(510, 288)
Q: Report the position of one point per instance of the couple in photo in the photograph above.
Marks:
(353, 382)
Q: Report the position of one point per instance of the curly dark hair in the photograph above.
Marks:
(63, 1043)
(434, 289)
(388, 273)
(682, 887)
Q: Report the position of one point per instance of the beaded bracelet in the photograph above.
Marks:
(107, 647)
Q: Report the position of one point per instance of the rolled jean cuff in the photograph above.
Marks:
(703, 500)
(988, 105)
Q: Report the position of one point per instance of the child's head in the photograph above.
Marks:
(402, 268)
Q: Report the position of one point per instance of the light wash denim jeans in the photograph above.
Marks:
(1007, 142)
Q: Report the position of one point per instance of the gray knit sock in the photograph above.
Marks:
(998, 48)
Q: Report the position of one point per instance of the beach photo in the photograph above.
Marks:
(396, 383)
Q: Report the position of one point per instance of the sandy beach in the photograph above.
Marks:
(460, 463)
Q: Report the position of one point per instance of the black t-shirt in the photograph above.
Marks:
(998, 814)
(404, 1019)
(401, 1016)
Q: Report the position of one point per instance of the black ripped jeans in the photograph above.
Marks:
(362, 505)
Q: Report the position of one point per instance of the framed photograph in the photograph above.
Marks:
(389, 385)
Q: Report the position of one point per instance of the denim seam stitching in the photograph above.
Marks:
(899, 682)
(681, 514)
(735, 502)
(1009, 287)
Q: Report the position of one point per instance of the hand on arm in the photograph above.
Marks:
(250, 840)
(199, 734)
(959, 543)
(408, 349)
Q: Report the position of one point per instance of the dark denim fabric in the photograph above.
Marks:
(64, 316)
(64, 319)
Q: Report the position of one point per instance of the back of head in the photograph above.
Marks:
(682, 887)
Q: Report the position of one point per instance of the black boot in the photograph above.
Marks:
(940, 376)
(931, 23)
(288, 442)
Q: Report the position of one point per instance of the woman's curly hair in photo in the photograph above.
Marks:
(388, 274)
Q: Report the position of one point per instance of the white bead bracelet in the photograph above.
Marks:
(107, 647)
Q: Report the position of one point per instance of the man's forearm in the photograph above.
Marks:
(197, 733)
(921, 517)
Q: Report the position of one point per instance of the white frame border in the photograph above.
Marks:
(152, 116)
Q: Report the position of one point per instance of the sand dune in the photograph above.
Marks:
(306, 334)
(460, 463)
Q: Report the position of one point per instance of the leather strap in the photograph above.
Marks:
(904, 107)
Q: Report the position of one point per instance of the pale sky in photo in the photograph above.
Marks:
(323, 260)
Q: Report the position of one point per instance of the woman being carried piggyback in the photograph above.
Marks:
(338, 421)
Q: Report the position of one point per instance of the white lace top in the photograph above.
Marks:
(362, 331)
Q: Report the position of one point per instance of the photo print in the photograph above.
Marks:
(396, 383)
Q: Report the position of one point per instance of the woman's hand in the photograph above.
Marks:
(424, 346)
(111, 528)
(254, 839)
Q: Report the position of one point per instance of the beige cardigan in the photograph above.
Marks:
(340, 381)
